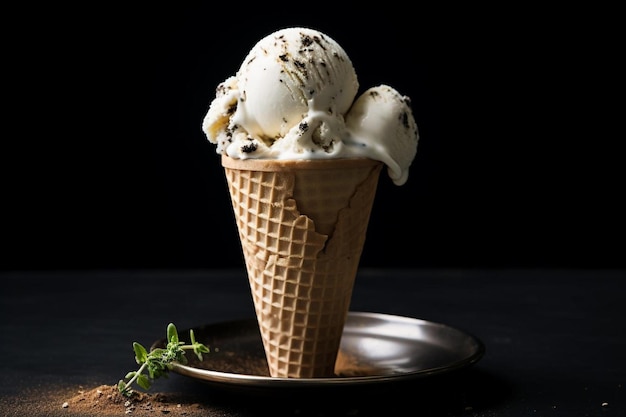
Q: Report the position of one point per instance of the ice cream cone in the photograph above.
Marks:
(302, 226)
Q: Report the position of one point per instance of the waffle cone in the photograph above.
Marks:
(302, 226)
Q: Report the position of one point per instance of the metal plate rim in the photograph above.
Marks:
(261, 381)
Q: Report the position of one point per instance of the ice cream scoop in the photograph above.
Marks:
(294, 98)
(381, 125)
(288, 75)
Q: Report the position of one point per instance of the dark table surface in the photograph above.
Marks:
(555, 339)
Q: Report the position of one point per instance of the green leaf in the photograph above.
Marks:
(198, 348)
(141, 354)
(156, 369)
(130, 375)
(144, 382)
(172, 333)
(157, 353)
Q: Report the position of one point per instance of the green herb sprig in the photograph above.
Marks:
(158, 362)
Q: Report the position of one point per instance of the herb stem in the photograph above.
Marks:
(134, 378)
(158, 361)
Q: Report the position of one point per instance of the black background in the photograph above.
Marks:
(105, 164)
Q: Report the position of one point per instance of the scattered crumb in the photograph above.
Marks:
(349, 365)
(100, 401)
(107, 399)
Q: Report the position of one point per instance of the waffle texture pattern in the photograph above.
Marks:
(302, 230)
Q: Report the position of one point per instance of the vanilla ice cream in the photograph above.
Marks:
(295, 97)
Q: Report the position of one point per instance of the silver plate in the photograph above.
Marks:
(375, 348)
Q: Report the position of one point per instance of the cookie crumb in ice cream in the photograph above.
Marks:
(251, 147)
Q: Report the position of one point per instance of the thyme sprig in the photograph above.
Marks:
(158, 362)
